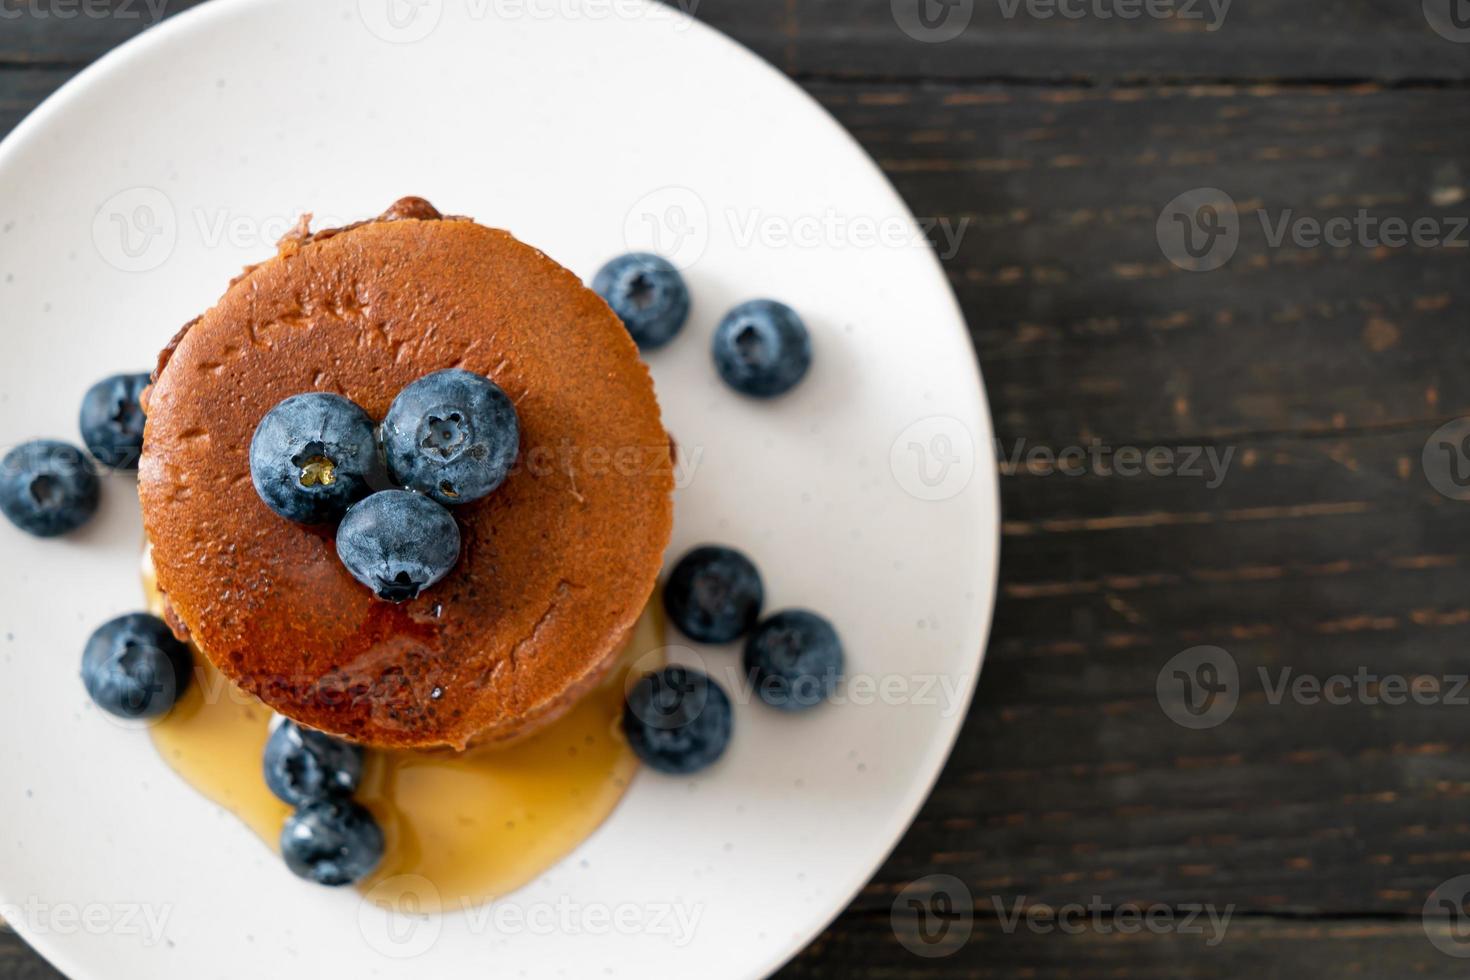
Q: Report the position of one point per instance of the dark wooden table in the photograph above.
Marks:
(1324, 551)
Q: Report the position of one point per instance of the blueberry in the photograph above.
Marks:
(332, 842)
(48, 488)
(133, 667)
(452, 435)
(794, 660)
(647, 294)
(677, 720)
(398, 543)
(301, 764)
(762, 348)
(112, 420)
(714, 594)
(313, 456)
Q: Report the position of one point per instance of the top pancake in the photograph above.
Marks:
(557, 563)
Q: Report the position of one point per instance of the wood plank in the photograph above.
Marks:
(1085, 328)
(866, 948)
(22, 91)
(72, 33)
(18, 962)
(1383, 40)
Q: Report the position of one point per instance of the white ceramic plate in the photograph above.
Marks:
(129, 199)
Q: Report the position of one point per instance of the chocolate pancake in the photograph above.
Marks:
(557, 564)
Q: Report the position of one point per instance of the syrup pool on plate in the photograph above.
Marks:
(476, 825)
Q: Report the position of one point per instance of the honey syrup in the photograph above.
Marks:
(476, 825)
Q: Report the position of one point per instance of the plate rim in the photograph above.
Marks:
(198, 18)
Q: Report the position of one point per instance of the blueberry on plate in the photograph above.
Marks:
(794, 660)
(398, 543)
(762, 348)
(313, 456)
(677, 720)
(302, 764)
(453, 435)
(133, 667)
(332, 842)
(48, 488)
(112, 420)
(714, 594)
(648, 295)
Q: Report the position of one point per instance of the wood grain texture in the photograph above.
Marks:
(17, 962)
(1095, 41)
(1319, 547)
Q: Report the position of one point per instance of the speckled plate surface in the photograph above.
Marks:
(129, 199)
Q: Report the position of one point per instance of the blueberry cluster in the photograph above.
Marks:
(761, 348)
(50, 488)
(679, 720)
(449, 438)
(329, 838)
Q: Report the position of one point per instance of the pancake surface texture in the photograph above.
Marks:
(557, 564)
